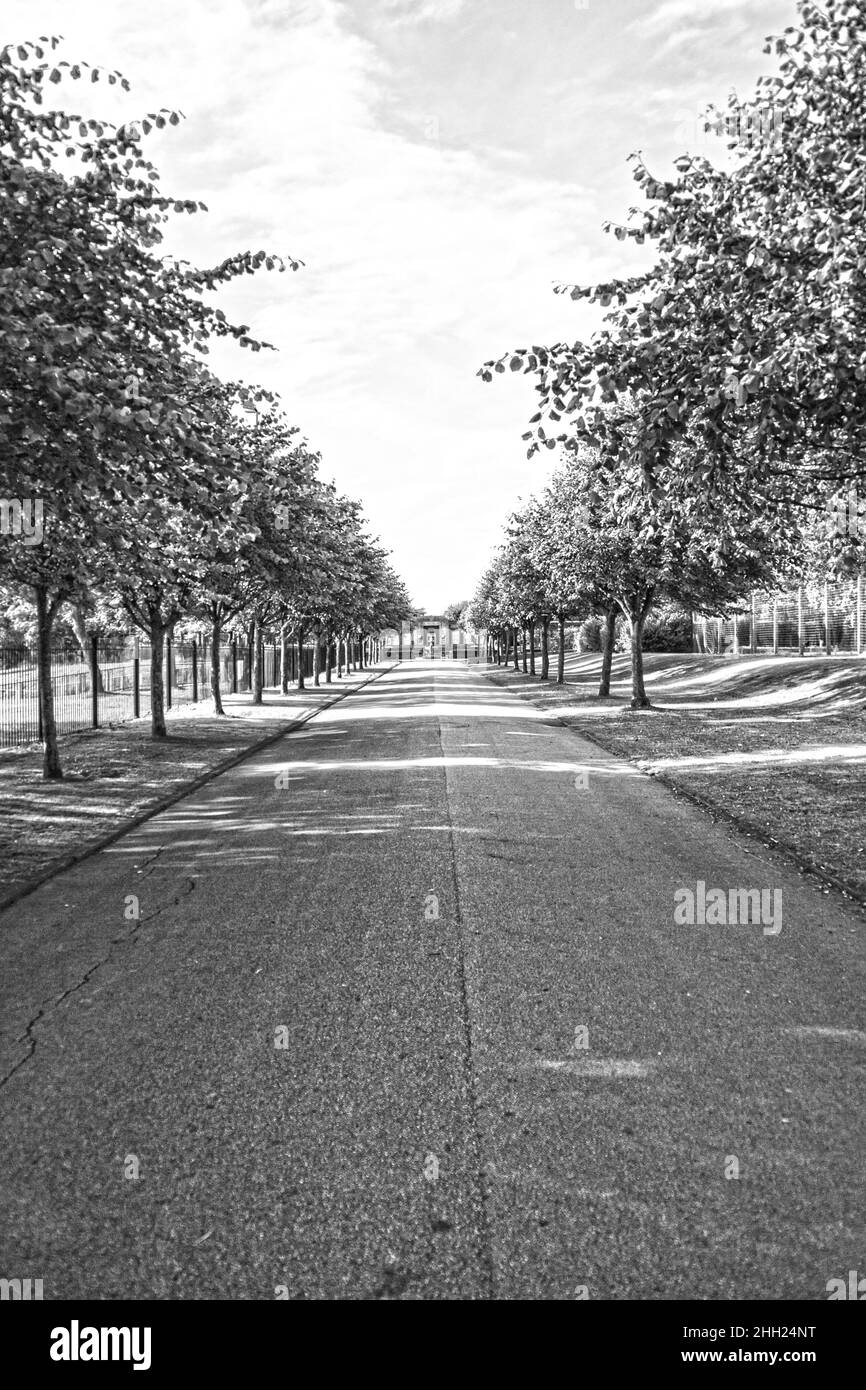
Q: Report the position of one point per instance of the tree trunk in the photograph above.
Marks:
(215, 639)
(361, 651)
(317, 658)
(156, 634)
(523, 643)
(301, 659)
(560, 663)
(329, 658)
(45, 613)
(257, 675)
(284, 659)
(532, 649)
(339, 645)
(545, 653)
(608, 638)
(514, 651)
(83, 641)
(639, 697)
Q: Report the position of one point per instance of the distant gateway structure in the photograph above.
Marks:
(431, 638)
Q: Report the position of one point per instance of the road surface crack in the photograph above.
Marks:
(481, 1169)
(49, 1006)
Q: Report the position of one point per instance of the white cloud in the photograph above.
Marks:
(421, 11)
(676, 11)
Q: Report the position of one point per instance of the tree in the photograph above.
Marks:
(747, 336)
(455, 614)
(597, 541)
(577, 568)
(95, 414)
(669, 545)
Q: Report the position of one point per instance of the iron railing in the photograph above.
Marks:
(453, 651)
(813, 618)
(109, 682)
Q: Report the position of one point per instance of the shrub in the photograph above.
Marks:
(668, 630)
(590, 633)
(589, 636)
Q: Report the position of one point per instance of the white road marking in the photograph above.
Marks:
(837, 1034)
(599, 1066)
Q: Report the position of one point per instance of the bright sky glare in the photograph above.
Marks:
(437, 164)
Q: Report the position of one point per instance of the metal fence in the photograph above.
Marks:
(110, 683)
(827, 618)
(417, 652)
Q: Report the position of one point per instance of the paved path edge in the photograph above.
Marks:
(61, 865)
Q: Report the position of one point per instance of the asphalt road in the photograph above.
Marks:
(406, 1014)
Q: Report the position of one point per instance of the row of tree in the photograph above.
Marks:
(708, 425)
(161, 488)
(575, 551)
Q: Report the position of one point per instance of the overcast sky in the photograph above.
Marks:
(437, 164)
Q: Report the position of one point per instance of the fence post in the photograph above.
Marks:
(234, 666)
(775, 625)
(39, 732)
(194, 672)
(827, 616)
(753, 626)
(136, 679)
(801, 625)
(94, 693)
(168, 673)
(736, 633)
